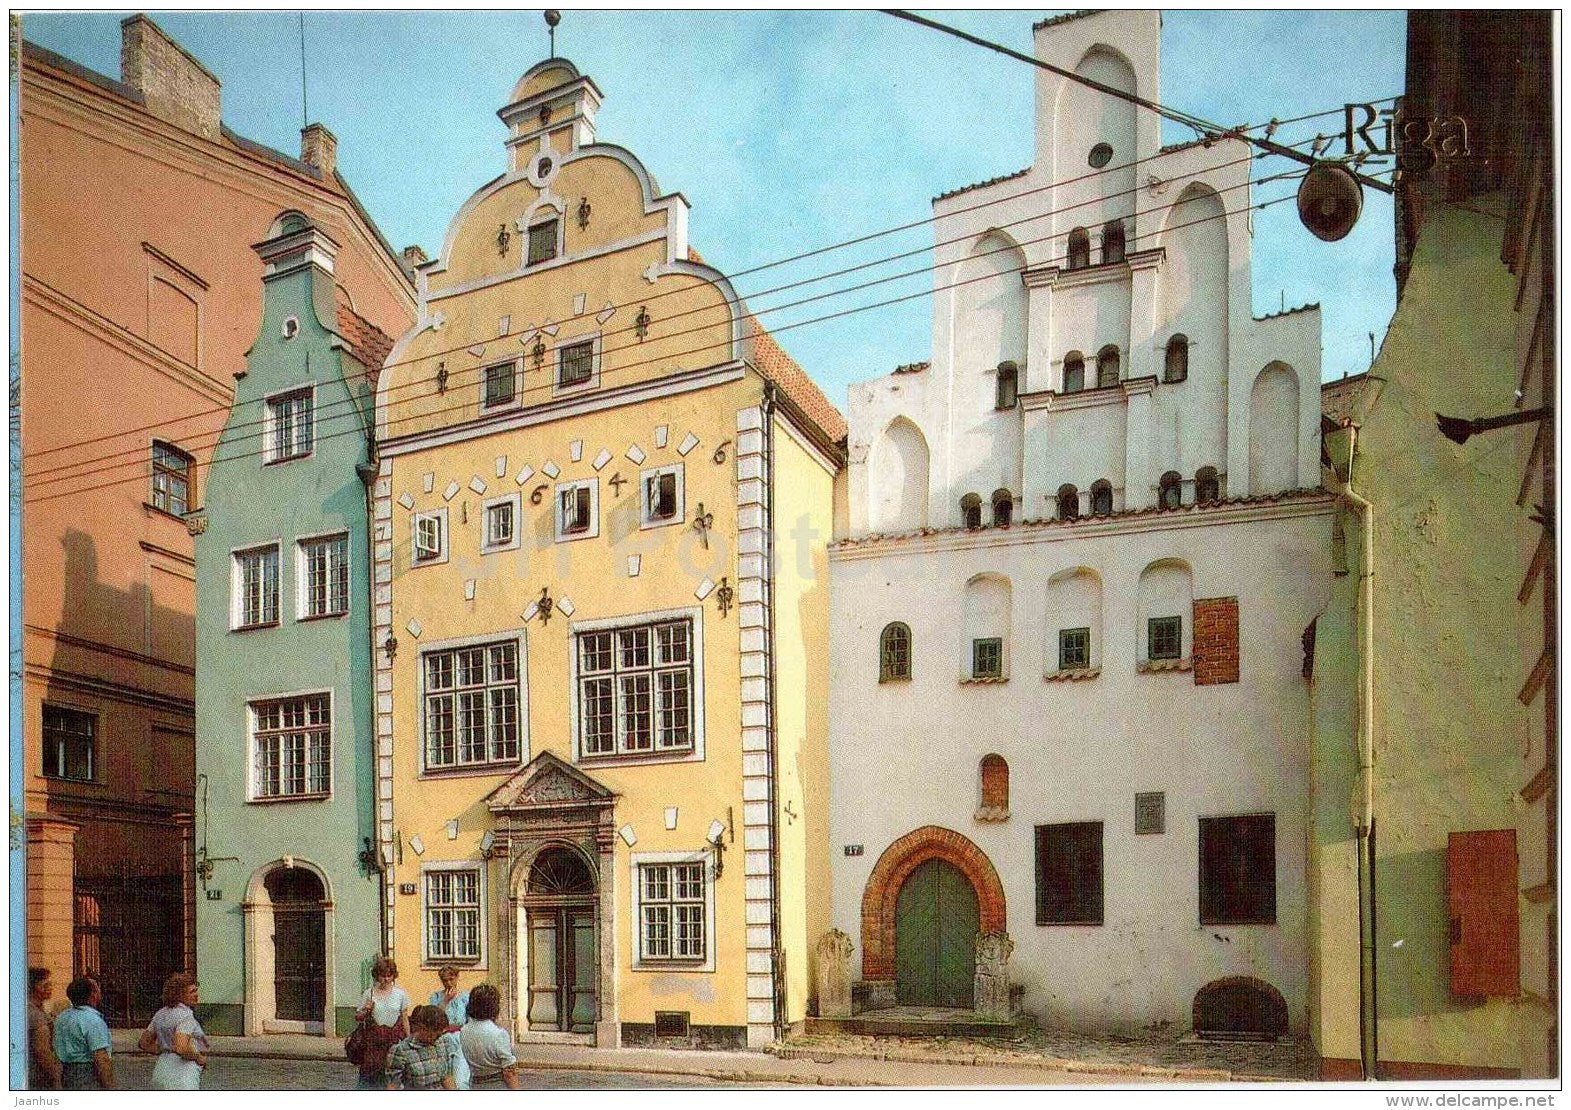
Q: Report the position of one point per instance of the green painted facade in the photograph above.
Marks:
(1448, 730)
(251, 501)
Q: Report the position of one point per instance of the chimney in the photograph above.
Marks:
(319, 148)
(414, 256)
(175, 87)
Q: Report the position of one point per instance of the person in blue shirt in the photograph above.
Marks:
(82, 1040)
(450, 1000)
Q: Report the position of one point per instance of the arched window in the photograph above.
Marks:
(1113, 241)
(1176, 367)
(1003, 508)
(1079, 249)
(1008, 385)
(1171, 491)
(1102, 498)
(1208, 488)
(1074, 372)
(894, 653)
(994, 773)
(971, 510)
(1107, 367)
(1068, 503)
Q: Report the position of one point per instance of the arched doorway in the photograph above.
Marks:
(299, 944)
(563, 954)
(936, 923)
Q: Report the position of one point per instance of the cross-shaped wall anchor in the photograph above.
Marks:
(789, 812)
(702, 523)
(617, 482)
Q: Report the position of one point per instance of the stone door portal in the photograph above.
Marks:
(563, 955)
(299, 945)
(936, 924)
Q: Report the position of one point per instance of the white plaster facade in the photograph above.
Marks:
(927, 440)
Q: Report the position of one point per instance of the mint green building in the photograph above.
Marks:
(288, 903)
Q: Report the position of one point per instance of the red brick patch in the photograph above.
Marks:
(1215, 650)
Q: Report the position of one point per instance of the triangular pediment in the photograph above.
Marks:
(548, 782)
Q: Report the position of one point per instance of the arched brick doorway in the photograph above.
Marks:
(894, 867)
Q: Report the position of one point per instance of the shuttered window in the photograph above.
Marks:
(1069, 874)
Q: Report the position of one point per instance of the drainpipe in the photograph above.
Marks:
(777, 953)
(1368, 1000)
(373, 854)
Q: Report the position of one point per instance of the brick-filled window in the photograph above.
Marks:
(1238, 870)
(471, 705)
(70, 744)
(1215, 649)
(671, 911)
(1069, 873)
(292, 747)
(452, 914)
(636, 689)
(994, 774)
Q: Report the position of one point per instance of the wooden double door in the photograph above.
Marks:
(936, 924)
(563, 954)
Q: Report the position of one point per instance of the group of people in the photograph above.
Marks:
(450, 1043)
(71, 1051)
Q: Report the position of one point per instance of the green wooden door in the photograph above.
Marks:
(936, 922)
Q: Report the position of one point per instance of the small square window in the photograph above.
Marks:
(1074, 648)
(500, 384)
(70, 744)
(542, 243)
(430, 536)
(576, 505)
(987, 658)
(575, 363)
(500, 524)
(1150, 813)
(1165, 638)
(662, 495)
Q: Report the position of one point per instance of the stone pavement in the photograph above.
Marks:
(1021, 1057)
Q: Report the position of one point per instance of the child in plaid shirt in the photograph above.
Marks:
(419, 1062)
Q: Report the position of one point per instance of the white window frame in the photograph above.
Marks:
(303, 577)
(253, 783)
(486, 546)
(488, 767)
(557, 351)
(645, 508)
(189, 477)
(564, 536)
(636, 862)
(270, 454)
(427, 959)
(445, 544)
(514, 364)
(237, 622)
(695, 708)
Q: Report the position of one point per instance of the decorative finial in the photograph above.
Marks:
(552, 18)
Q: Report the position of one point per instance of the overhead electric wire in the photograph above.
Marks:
(1208, 131)
(164, 424)
(142, 476)
(139, 450)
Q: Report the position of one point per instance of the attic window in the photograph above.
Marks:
(1100, 155)
(291, 326)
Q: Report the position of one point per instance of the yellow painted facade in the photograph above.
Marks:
(586, 883)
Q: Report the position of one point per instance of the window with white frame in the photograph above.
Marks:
(499, 523)
(291, 747)
(323, 587)
(662, 496)
(672, 908)
(452, 914)
(255, 587)
(500, 386)
(289, 425)
(172, 469)
(575, 364)
(471, 696)
(636, 689)
(577, 510)
(429, 537)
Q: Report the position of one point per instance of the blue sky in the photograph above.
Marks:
(787, 131)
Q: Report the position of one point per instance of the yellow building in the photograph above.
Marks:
(601, 507)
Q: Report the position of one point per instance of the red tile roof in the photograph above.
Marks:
(367, 343)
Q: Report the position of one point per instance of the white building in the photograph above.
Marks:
(1080, 553)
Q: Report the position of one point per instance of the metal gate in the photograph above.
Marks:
(128, 934)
